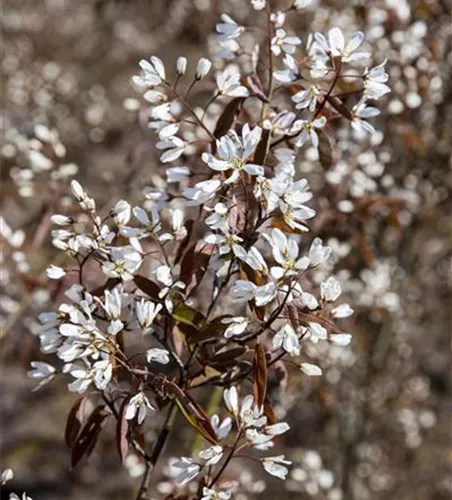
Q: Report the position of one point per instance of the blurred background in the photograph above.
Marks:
(377, 425)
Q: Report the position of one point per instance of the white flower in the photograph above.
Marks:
(336, 46)
(146, 312)
(55, 272)
(311, 370)
(231, 400)
(286, 338)
(330, 289)
(342, 311)
(177, 174)
(317, 332)
(174, 148)
(236, 326)
(285, 251)
(201, 192)
(153, 72)
(40, 370)
(24, 496)
(178, 229)
(211, 455)
(250, 415)
(228, 29)
(6, 476)
(61, 220)
(301, 4)
(375, 81)
(219, 218)
(157, 97)
(234, 153)
(291, 73)
(318, 253)
(185, 470)
(210, 494)
(228, 83)
(258, 4)
(181, 65)
(361, 111)
(138, 405)
(306, 98)
(341, 339)
(275, 466)
(243, 290)
(202, 68)
(221, 429)
(158, 355)
(281, 42)
(124, 263)
(122, 212)
(308, 131)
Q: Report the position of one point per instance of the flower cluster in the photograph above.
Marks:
(214, 278)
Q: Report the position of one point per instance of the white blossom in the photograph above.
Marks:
(158, 355)
(310, 369)
(287, 338)
(276, 466)
(138, 407)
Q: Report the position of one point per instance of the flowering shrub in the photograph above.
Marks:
(197, 264)
(216, 279)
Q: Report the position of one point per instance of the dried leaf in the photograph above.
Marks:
(74, 421)
(259, 375)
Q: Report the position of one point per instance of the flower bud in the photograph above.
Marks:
(202, 68)
(61, 220)
(181, 65)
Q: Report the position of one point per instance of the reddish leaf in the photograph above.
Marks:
(259, 375)
(184, 243)
(269, 413)
(109, 284)
(193, 413)
(339, 106)
(194, 266)
(122, 427)
(147, 286)
(325, 151)
(256, 86)
(228, 117)
(87, 438)
(262, 148)
(74, 421)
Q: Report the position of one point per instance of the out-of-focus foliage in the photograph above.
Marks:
(377, 424)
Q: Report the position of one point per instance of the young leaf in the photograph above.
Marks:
(74, 421)
(87, 438)
(325, 151)
(193, 413)
(147, 286)
(228, 117)
(122, 427)
(259, 375)
(194, 266)
(262, 148)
